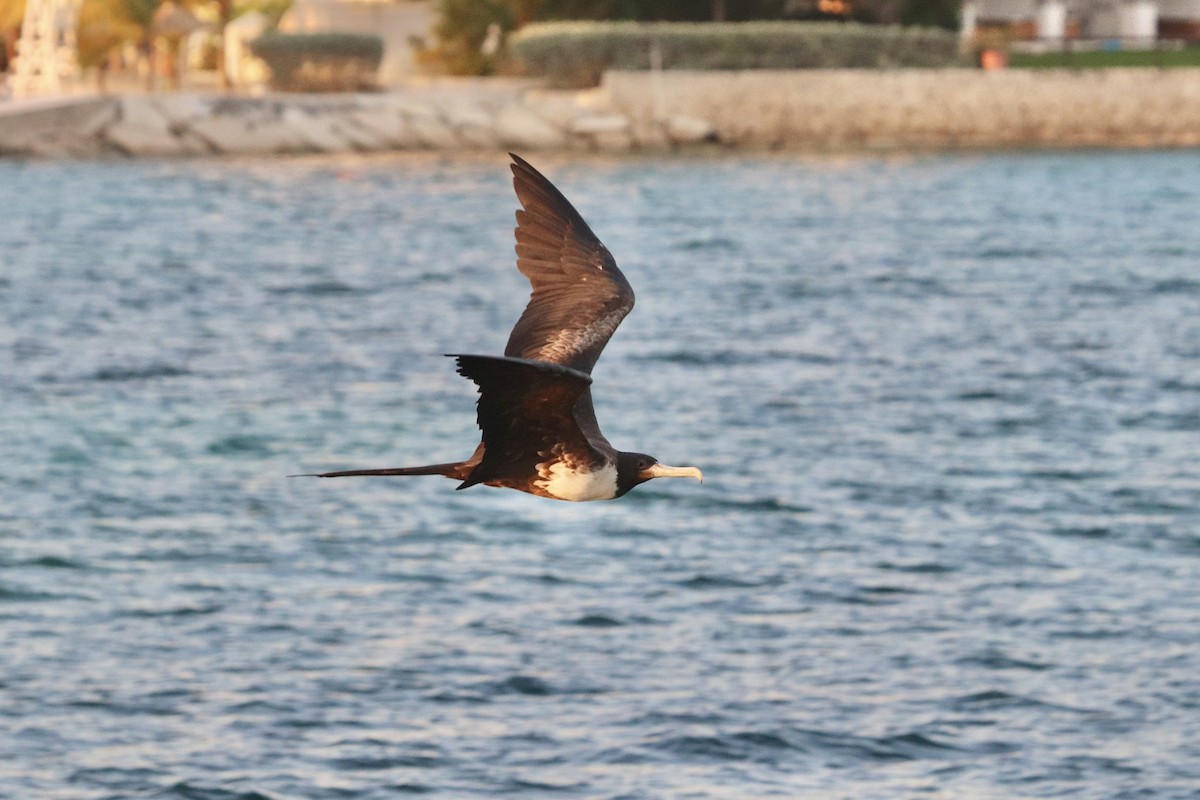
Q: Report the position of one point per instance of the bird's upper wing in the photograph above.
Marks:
(579, 296)
(526, 409)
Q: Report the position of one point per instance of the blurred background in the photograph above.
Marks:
(916, 289)
(206, 43)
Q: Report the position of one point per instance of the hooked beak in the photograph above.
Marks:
(663, 471)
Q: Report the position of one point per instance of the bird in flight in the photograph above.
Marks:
(540, 433)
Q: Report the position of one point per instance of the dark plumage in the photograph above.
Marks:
(540, 433)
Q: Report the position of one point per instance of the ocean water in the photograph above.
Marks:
(948, 545)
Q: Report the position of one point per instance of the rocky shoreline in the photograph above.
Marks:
(811, 110)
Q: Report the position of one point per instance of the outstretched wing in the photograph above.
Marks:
(579, 296)
(526, 410)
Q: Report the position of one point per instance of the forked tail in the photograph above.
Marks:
(457, 470)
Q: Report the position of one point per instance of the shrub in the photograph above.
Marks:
(320, 62)
(460, 32)
(577, 54)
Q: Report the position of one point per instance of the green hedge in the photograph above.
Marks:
(320, 62)
(578, 53)
(1104, 59)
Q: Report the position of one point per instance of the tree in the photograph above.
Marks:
(12, 13)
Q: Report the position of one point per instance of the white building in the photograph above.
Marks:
(396, 21)
(1142, 21)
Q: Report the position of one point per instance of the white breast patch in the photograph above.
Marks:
(562, 482)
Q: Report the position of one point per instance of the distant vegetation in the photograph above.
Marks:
(470, 34)
(107, 27)
(321, 62)
(1101, 59)
(577, 54)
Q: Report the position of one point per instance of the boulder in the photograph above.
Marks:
(385, 125)
(318, 132)
(432, 132)
(519, 127)
(591, 124)
(613, 141)
(25, 124)
(682, 129)
(136, 139)
(180, 109)
(227, 134)
(142, 112)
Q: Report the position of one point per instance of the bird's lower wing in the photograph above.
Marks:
(525, 410)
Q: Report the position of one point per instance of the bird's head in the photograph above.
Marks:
(636, 468)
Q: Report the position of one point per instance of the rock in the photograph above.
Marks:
(241, 135)
(180, 109)
(613, 141)
(24, 124)
(518, 127)
(359, 136)
(476, 137)
(432, 132)
(411, 106)
(140, 110)
(144, 130)
(318, 132)
(591, 124)
(682, 129)
(384, 125)
(474, 125)
(466, 114)
(136, 139)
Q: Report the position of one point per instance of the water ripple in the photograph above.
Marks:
(946, 407)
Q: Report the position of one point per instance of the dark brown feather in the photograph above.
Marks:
(529, 411)
(579, 295)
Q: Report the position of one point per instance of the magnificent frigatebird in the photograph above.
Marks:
(540, 433)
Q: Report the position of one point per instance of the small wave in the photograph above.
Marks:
(976, 395)
(10, 594)
(1066, 474)
(315, 289)
(918, 568)
(705, 581)
(730, 358)
(910, 746)
(1098, 288)
(148, 372)
(46, 562)
(1177, 286)
(1179, 385)
(521, 786)
(753, 504)
(994, 699)
(597, 621)
(733, 747)
(525, 684)
(1158, 421)
(1005, 253)
(130, 780)
(240, 444)
(368, 763)
(995, 659)
(717, 243)
(187, 790)
(1083, 532)
(771, 746)
(178, 611)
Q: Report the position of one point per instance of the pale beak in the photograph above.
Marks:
(663, 471)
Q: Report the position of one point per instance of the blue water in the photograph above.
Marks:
(948, 544)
